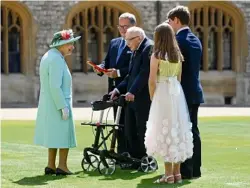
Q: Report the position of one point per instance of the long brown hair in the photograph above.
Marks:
(165, 43)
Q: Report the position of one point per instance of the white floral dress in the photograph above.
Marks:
(168, 131)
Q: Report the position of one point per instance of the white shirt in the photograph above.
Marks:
(118, 71)
(136, 49)
(140, 43)
(181, 29)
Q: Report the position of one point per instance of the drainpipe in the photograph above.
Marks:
(158, 12)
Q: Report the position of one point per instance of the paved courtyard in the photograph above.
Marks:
(85, 113)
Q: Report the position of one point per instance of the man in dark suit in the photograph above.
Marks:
(117, 61)
(135, 85)
(191, 49)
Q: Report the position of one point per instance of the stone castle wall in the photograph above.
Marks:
(50, 16)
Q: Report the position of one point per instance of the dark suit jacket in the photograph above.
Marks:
(122, 64)
(191, 49)
(136, 82)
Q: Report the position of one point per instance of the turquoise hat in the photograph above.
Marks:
(63, 37)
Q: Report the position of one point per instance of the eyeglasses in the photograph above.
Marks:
(129, 40)
(124, 27)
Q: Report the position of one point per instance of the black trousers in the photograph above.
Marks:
(121, 140)
(135, 128)
(191, 167)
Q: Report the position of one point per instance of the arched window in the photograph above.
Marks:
(97, 24)
(216, 30)
(221, 27)
(18, 49)
(11, 32)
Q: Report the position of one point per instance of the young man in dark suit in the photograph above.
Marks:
(137, 93)
(191, 49)
(117, 61)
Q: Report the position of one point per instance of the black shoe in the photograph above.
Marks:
(189, 177)
(197, 174)
(196, 177)
(49, 171)
(186, 177)
(61, 172)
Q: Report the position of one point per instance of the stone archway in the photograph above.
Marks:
(17, 16)
(96, 22)
(221, 17)
(222, 29)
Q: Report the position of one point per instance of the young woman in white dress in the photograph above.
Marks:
(168, 132)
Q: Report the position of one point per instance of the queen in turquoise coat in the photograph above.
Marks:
(55, 127)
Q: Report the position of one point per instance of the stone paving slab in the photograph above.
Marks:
(85, 113)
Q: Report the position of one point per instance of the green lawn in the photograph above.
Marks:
(225, 153)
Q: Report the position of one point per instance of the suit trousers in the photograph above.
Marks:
(135, 128)
(191, 167)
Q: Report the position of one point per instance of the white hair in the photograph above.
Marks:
(137, 31)
(129, 16)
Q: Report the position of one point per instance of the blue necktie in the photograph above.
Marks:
(121, 47)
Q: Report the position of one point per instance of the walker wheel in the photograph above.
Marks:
(149, 164)
(87, 167)
(107, 171)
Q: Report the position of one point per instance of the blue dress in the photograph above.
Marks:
(51, 130)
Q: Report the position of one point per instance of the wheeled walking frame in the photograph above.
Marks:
(105, 160)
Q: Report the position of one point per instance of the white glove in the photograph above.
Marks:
(65, 113)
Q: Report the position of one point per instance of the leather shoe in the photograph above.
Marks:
(62, 172)
(196, 177)
(49, 171)
(190, 178)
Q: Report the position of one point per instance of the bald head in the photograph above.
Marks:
(134, 36)
(136, 31)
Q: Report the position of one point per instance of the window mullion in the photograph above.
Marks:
(5, 40)
(100, 33)
(22, 49)
(220, 49)
(205, 39)
(220, 41)
(85, 41)
(115, 21)
(235, 66)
